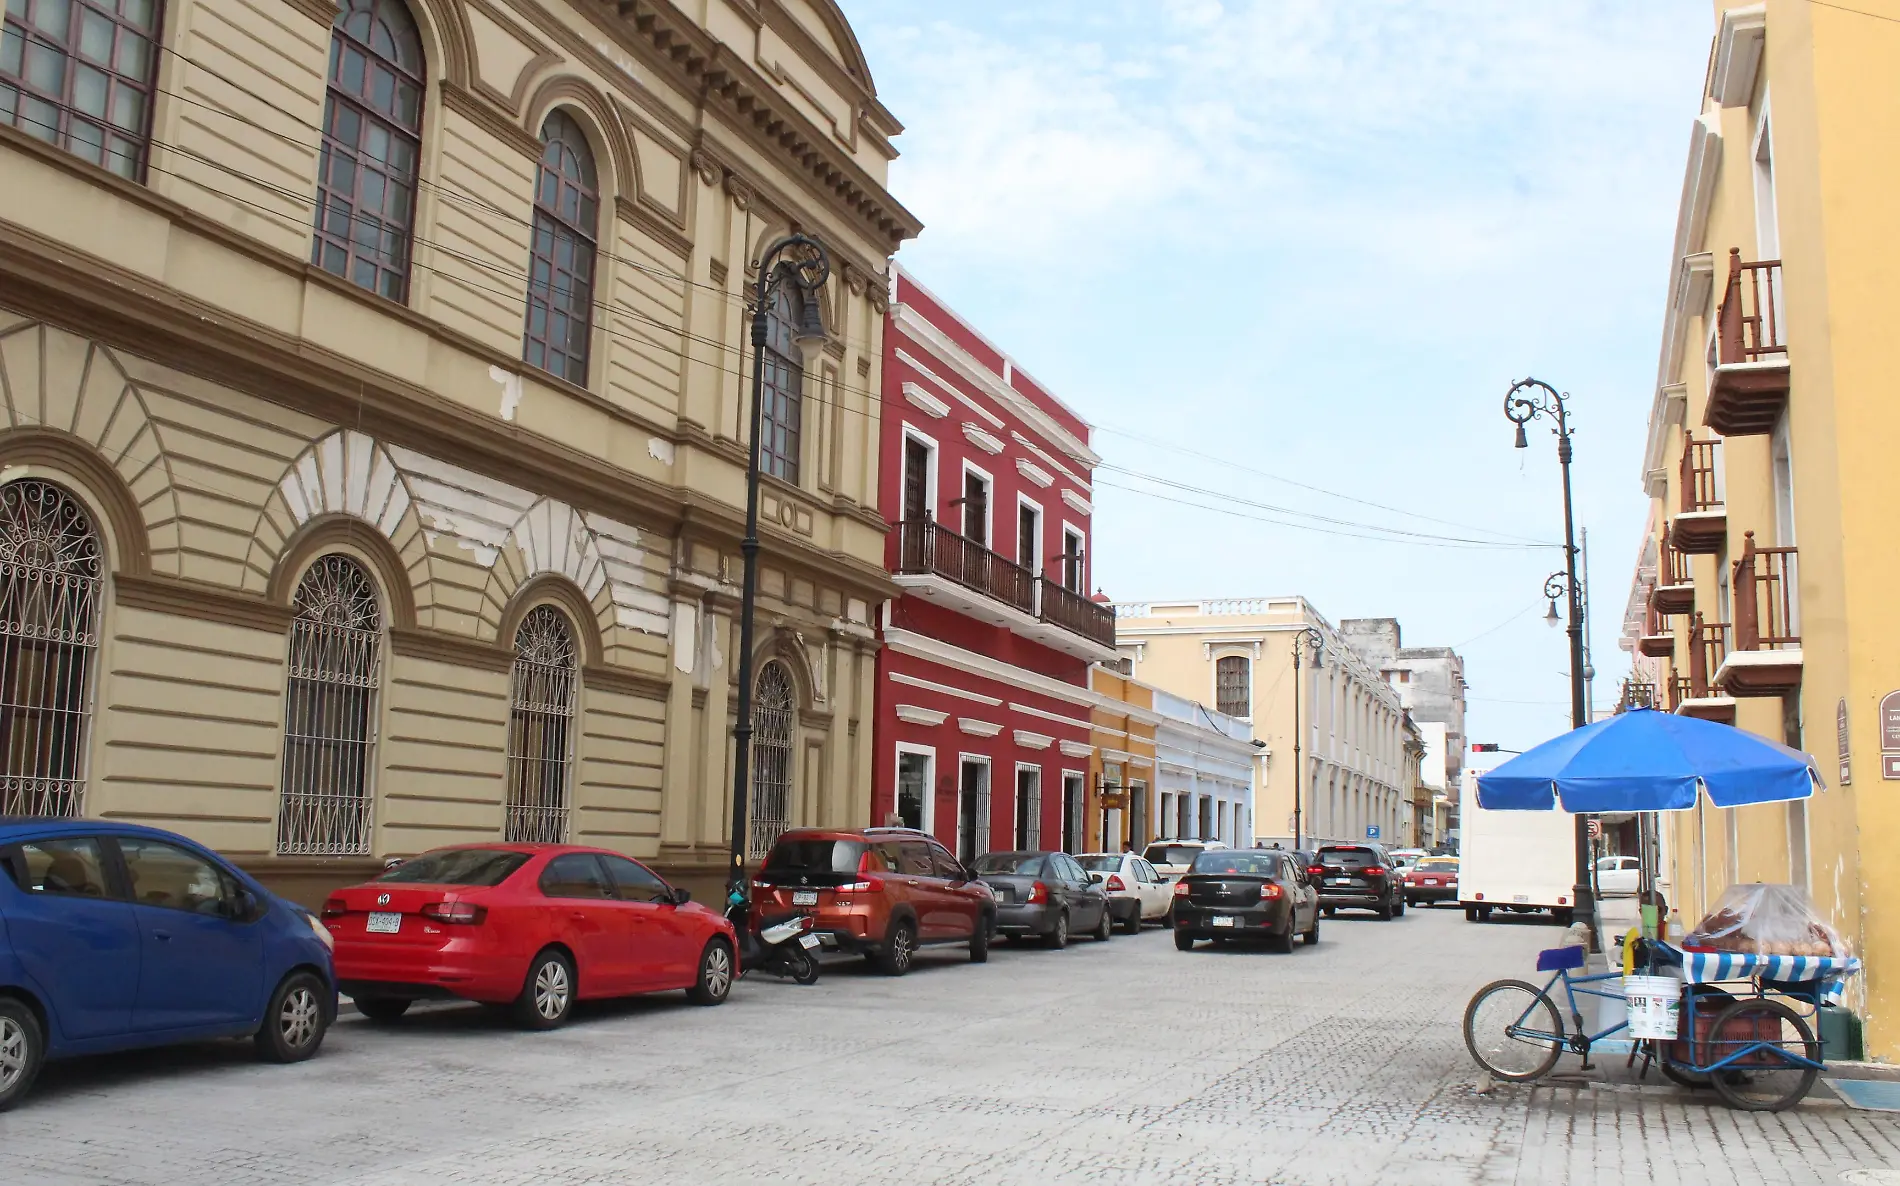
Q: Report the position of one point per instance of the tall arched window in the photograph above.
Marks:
(784, 390)
(540, 728)
(50, 583)
(372, 140)
(1231, 693)
(336, 649)
(79, 74)
(774, 712)
(561, 279)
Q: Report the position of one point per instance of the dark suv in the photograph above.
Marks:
(1357, 877)
(880, 893)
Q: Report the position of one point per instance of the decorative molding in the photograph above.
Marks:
(1738, 49)
(640, 213)
(1075, 749)
(625, 681)
(200, 600)
(490, 119)
(913, 715)
(910, 360)
(1058, 718)
(976, 728)
(929, 404)
(321, 11)
(981, 439)
(703, 164)
(1034, 472)
(741, 192)
(1046, 459)
(417, 643)
(899, 677)
(1029, 740)
(1077, 503)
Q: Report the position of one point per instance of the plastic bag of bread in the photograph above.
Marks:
(1761, 919)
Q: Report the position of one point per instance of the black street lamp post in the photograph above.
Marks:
(1306, 636)
(1527, 400)
(803, 263)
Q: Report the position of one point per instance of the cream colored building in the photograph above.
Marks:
(1766, 577)
(374, 381)
(1236, 656)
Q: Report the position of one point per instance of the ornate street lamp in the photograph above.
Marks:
(801, 262)
(1528, 400)
(1306, 636)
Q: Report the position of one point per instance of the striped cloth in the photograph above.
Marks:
(1705, 967)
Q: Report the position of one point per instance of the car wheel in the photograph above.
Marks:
(383, 1010)
(1183, 941)
(1282, 943)
(1312, 935)
(980, 940)
(1104, 928)
(1384, 911)
(899, 950)
(295, 1020)
(715, 974)
(1132, 924)
(1471, 914)
(1058, 936)
(1329, 912)
(547, 995)
(1398, 909)
(22, 1051)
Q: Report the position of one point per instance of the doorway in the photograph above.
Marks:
(1028, 808)
(1072, 805)
(913, 788)
(973, 809)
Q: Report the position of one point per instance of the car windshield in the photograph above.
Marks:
(458, 866)
(1026, 863)
(1171, 854)
(1348, 858)
(1245, 864)
(1438, 865)
(1101, 862)
(815, 856)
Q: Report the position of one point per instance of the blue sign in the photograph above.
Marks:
(1372, 831)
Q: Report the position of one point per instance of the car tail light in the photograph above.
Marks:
(1316, 870)
(460, 913)
(1114, 884)
(1270, 891)
(870, 885)
(1477, 897)
(763, 885)
(334, 908)
(1180, 889)
(1374, 870)
(1038, 893)
(1563, 901)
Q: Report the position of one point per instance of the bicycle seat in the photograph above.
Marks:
(1557, 959)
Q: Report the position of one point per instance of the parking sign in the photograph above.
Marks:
(1372, 831)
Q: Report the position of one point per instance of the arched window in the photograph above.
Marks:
(1231, 693)
(372, 140)
(336, 650)
(50, 584)
(774, 709)
(79, 74)
(784, 390)
(540, 728)
(561, 279)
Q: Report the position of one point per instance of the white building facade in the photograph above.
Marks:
(1203, 773)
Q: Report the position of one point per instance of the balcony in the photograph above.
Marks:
(1658, 641)
(940, 566)
(1697, 696)
(1701, 529)
(1766, 660)
(1675, 587)
(1749, 386)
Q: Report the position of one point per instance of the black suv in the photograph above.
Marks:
(1357, 877)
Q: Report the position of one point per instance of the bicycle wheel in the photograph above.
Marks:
(1513, 1031)
(1767, 1078)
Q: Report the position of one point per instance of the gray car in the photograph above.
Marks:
(1045, 894)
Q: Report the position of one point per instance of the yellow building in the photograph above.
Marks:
(374, 378)
(1768, 593)
(1121, 788)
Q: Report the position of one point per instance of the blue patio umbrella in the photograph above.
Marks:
(1645, 760)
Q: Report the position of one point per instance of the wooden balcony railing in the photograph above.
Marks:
(1698, 475)
(1678, 691)
(1077, 613)
(1708, 646)
(1672, 566)
(1764, 598)
(926, 547)
(1748, 324)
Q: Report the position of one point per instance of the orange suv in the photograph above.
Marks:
(880, 893)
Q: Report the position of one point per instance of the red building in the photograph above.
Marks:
(982, 733)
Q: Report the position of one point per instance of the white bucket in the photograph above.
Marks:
(1652, 1005)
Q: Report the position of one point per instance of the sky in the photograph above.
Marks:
(1291, 255)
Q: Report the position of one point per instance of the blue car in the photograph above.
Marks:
(115, 936)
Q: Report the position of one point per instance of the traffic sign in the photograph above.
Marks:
(1596, 827)
(1372, 831)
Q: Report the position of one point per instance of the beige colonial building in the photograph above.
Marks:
(1236, 655)
(374, 379)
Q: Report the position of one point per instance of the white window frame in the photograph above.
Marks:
(989, 506)
(929, 752)
(1016, 806)
(1762, 178)
(933, 496)
(1042, 524)
(1081, 537)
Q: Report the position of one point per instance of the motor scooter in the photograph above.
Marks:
(781, 944)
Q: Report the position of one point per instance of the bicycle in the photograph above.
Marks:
(1502, 1022)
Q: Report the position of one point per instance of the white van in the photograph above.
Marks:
(1520, 861)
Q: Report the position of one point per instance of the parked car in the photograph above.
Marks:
(1357, 877)
(1404, 858)
(1432, 880)
(1137, 892)
(1245, 894)
(880, 893)
(1618, 875)
(1171, 858)
(534, 927)
(116, 936)
(1045, 894)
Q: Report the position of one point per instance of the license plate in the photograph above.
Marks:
(804, 897)
(1521, 898)
(1339, 881)
(1431, 881)
(384, 922)
(1221, 920)
(808, 941)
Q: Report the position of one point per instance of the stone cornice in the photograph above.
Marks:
(490, 118)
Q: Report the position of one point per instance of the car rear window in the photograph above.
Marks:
(1171, 854)
(810, 856)
(458, 866)
(1029, 864)
(1348, 858)
(1245, 864)
(1437, 865)
(1101, 862)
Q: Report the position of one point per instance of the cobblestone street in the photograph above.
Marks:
(1125, 1062)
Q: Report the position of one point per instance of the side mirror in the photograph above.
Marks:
(245, 906)
(681, 895)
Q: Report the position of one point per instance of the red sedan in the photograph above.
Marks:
(531, 926)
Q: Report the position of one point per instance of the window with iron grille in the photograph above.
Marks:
(774, 710)
(372, 139)
(540, 728)
(335, 670)
(784, 390)
(1230, 686)
(50, 584)
(561, 279)
(79, 74)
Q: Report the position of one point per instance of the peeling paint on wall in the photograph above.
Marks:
(660, 449)
(685, 635)
(510, 390)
